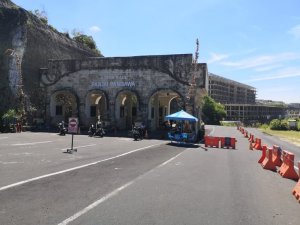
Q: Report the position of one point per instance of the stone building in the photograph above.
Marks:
(123, 90)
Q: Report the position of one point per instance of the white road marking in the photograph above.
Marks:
(96, 203)
(3, 138)
(83, 146)
(1, 162)
(111, 194)
(125, 139)
(31, 143)
(74, 168)
(22, 153)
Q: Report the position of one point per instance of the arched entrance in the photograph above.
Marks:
(63, 104)
(161, 104)
(96, 106)
(126, 109)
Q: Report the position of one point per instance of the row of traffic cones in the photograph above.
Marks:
(274, 157)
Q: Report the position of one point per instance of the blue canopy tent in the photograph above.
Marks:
(181, 115)
(181, 136)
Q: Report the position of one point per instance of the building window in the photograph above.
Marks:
(122, 110)
(58, 110)
(93, 111)
(133, 111)
(152, 112)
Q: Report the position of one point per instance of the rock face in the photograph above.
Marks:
(26, 45)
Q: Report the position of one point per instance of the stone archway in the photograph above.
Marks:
(63, 104)
(126, 109)
(96, 107)
(161, 104)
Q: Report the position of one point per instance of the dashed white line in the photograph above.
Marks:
(111, 194)
(13, 162)
(31, 143)
(74, 168)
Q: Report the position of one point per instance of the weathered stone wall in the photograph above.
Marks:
(143, 75)
(32, 43)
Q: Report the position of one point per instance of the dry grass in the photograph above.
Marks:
(290, 136)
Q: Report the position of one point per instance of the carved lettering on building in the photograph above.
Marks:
(98, 84)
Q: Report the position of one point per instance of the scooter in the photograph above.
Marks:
(99, 132)
(92, 130)
(137, 134)
(62, 129)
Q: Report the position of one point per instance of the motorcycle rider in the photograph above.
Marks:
(92, 130)
(62, 128)
(138, 132)
(99, 130)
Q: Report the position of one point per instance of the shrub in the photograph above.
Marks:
(277, 124)
(264, 126)
(284, 125)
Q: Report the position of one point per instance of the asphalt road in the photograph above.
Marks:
(122, 181)
(270, 140)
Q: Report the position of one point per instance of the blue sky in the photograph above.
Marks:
(255, 42)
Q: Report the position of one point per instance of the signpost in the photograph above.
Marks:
(72, 128)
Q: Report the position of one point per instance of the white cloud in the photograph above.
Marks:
(295, 31)
(286, 73)
(94, 29)
(261, 61)
(216, 57)
(268, 68)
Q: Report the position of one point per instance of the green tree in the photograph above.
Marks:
(86, 40)
(10, 115)
(213, 112)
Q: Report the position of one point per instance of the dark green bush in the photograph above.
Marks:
(277, 124)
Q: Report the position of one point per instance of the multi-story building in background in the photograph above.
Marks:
(240, 101)
(293, 110)
(228, 91)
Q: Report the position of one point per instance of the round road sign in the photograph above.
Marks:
(73, 123)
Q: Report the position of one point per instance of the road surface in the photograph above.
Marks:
(114, 181)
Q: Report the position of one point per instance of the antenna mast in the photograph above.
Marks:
(192, 84)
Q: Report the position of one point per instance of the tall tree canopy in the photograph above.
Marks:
(213, 112)
(85, 40)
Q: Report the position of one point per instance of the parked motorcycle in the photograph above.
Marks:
(92, 130)
(99, 132)
(62, 129)
(137, 134)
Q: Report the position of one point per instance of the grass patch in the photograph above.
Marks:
(285, 135)
(228, 123)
